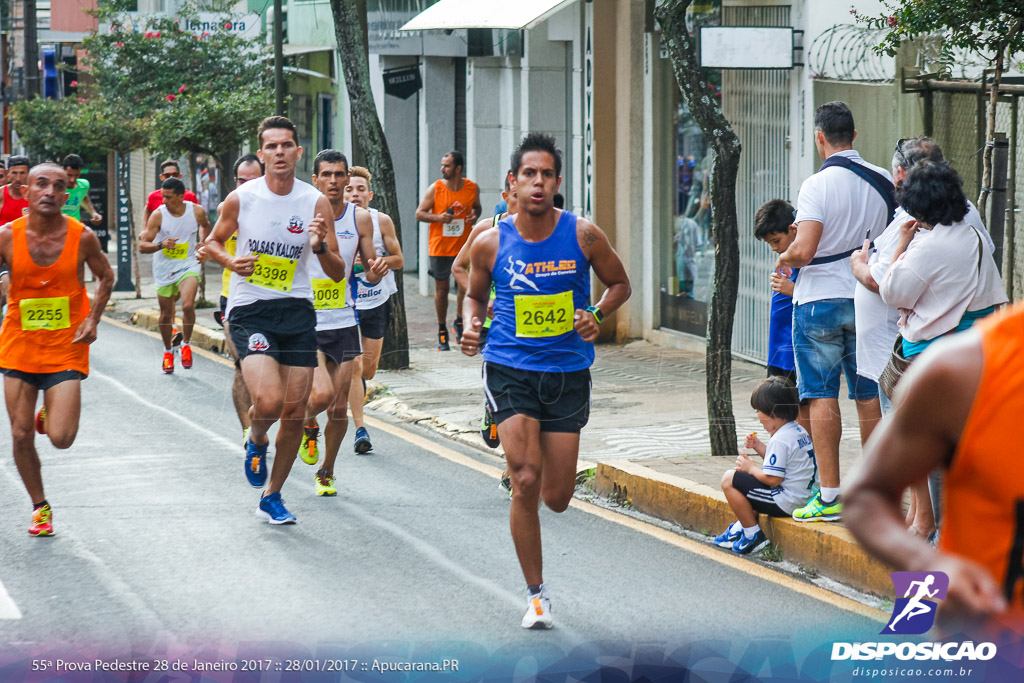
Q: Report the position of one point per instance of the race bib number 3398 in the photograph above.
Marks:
(53, 313)
(273, 272)
(544, 315)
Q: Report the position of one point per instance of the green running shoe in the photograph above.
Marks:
(307, 449)
(814, 511)
(325, 484)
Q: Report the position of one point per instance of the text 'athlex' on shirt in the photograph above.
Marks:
(550, 267)
(292, 251)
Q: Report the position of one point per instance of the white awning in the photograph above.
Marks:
(502, 14)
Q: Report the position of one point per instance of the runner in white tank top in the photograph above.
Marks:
(282, 223)
(372, 301)
(337, 334)
(172, 236)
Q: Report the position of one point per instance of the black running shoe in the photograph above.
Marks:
(488, 429)
(442, 339)
(458, 330)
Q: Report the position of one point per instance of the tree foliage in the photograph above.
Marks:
(990, 29)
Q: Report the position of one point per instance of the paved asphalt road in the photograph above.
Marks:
(158, 550)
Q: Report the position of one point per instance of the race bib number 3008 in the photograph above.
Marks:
(328, 294)
(544, 315)
(273, 272)
(53, 313)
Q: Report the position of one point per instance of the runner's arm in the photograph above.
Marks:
(330, 260)
(204, 223)
(374, 268)
(474, 308)
(931, 407)
(394, 259)
(477, 210)
(609, 270)
(460, 268)
(227, 225)
(803, 248)
(95, 215)
(100, 267)
(147, 243)
(423, 211)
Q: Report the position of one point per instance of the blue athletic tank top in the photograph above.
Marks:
(538, 287)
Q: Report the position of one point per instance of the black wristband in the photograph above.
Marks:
(321, 250)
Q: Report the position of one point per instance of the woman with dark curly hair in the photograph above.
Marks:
(942, 278)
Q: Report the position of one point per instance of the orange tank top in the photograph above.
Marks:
(44, 309)
(983, 492)
(447, 240)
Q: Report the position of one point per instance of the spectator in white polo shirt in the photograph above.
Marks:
(846, 201)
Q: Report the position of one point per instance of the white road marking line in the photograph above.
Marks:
(689, 545)
(739, 564)
(210, 434)
(8, 610)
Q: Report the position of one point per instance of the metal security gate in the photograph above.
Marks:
(757, 103)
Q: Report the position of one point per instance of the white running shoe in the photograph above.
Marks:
(538, 612)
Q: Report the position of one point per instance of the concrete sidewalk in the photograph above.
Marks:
(647, 437)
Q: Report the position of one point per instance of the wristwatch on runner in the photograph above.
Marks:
(596, 312)
(322, 249)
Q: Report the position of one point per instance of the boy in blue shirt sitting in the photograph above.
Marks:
(784, 482)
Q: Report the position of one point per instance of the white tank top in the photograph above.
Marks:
(334, 303)
(371, 296)
(169, 265)
(275, 227)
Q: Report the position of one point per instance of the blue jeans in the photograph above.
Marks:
(825, 345)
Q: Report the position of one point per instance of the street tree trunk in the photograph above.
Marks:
(726, 145)
(368, 129)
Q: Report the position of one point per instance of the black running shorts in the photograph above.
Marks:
(759, 495)
(560, 401)
(284, 329)
(340, 345)
(441, 267)
(374, 321)
(44, 380)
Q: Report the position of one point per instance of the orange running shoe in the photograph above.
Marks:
(168, 362)
(42, 521)
(186, 356)
(41, 420)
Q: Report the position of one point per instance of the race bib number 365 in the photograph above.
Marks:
(52, 313)
(544, 315)
(455, 228)
(328, 294)
(273, 272)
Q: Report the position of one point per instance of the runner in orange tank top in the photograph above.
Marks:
(451, 206)
(44, 341)
(959, 408)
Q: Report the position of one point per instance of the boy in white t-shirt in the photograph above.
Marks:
(784, 482)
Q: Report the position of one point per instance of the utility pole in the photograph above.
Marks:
(31, 50)
(278, 58)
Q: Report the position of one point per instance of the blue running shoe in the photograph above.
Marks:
(273, 510)
(362, 444)
(728, 537)
(256, 463)
(745, 546)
